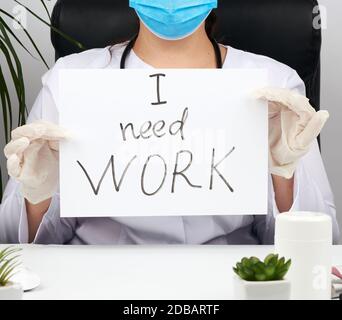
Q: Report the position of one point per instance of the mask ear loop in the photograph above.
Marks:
(130, 45)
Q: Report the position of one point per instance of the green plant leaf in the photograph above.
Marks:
(17, 84)
(18, 78)
(242, 275)
(269, 258)
(248, 272)
(254, 260)
(239, 265)
(270, 269)
(4, 266)
(8, 272)
(270, 272)
(8, 263)
(27, 34)
(62, 34)
(4, 105)
(1, 186)
(4, 254)
(46, 9)
(245, 262)
(288, 264)
(260, 277)
(8, 29)
(259, 267)
(281, 262)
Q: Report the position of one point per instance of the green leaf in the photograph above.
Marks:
(62, 34)
(245, 262)
(270, 272)
(272, 268)
(27, 34)
(5, 252)
(249, 273)
(259, 267)
(242, 275)
(1, 186)
(281, 275)
(17, 76)
(46, 9)
(254, 260)
(6, 102)
(260, 277)
(8, 29)
(4, 105)
(9, 272)
(281, 272)
(281, 262)
(268, 259)
(271, 259)
(288, 264)
(8, 263)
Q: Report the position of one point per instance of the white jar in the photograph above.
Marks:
(306, 239)
(12, 291)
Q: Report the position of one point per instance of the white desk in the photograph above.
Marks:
(133, 272)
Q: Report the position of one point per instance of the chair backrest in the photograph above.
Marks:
(281, 29)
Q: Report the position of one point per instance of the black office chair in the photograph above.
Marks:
(281, 29)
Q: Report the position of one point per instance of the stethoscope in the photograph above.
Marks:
(131, 43)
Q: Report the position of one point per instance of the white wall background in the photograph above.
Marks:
(331, 80)
(332, 97)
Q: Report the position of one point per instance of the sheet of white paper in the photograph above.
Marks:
(202, 151)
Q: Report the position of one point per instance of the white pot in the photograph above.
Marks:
(261, 290)
(12, 291)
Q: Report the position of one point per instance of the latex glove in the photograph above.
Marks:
(293, 125)
(33, 159)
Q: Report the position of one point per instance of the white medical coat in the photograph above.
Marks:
(312, 191)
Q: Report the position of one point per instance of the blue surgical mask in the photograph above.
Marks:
(173, 19)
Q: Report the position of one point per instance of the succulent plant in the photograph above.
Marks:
(271, 269)
(8, 264)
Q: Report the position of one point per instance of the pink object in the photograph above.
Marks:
(336, 272)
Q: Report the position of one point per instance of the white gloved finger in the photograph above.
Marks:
(55, 133)
(53, 145)
(39, 175)
(28, 131)
(287, 98)
(14, 166)
(40, 129)
(273, 109)
(16, 147)
(270, 94)
(312, 129)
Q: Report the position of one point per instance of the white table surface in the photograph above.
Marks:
(138, 272)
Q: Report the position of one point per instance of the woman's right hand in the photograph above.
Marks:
(33, 159)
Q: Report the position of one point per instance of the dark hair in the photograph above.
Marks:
(211, 24)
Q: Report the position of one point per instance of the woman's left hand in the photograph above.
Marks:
(293, 126)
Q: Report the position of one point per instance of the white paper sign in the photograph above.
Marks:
(163, 142)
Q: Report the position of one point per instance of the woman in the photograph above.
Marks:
(172, 34)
